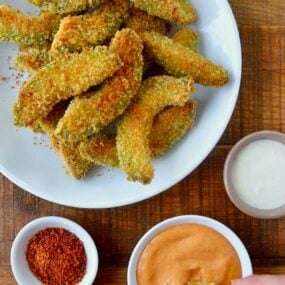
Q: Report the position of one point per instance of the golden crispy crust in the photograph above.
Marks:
(134, 128)
(170, 126)
(180, 61)
(76, 166)
(101, 150)
(61, 80)
(32, 59)
(89, 30)
(36, 128)
(18, 28)
(187, 38)
(167, 129)
(65, 6)
(140, 22)
(179, 11)
(49, 123)
(86, 116)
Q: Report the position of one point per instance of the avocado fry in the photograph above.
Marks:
(134, 127)
(24, 30)
(61, 80)
(178, 11)
(90, 30)
(88, 115)
(179, 60)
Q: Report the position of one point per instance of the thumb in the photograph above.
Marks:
(260, 280)
(251, 280)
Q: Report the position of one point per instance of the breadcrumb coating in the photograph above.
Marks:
(61, 80)
(168, 128)
(76, 166)
(187, 38)
(21, 29)
(134, 128)
(65, 6)
(90, 30)
(88, 115)
(101, 150)
(36, 128)
(49, 123)
(32, 59)
(178, 11)
(179, 60)
(140, 22)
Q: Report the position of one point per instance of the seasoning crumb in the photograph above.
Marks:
(56, 256)
(2, 78)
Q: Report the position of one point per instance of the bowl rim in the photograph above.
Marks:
(39, 224)
(189, 219)
(240, 204)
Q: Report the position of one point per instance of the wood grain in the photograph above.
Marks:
(261, 101)
(116, 231)
(259, 12)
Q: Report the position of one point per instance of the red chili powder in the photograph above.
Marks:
(56, 256)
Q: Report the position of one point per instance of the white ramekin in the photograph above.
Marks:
(189, 219)
(244, 207)
(19, 264)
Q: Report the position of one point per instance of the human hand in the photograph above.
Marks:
(261, 280)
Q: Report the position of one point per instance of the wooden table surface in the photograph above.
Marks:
(261, 106)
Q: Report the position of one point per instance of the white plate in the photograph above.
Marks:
(27, 160)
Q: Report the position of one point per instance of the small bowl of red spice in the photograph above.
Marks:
(54, 250)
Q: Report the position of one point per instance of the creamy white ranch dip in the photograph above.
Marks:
(258, 174)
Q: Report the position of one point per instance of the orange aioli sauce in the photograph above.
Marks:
(188, 252)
